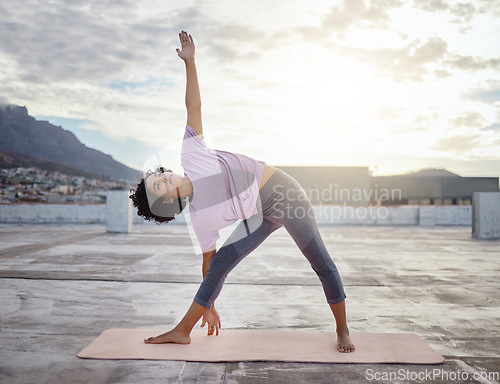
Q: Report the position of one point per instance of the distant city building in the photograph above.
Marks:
(63, 189)
(434, 187)
(26, 185)
(329, 185)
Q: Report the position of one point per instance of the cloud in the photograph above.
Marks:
(462, 12)
(409, 63)
(424, 120)
(358, 13)
(416, 60)
(3, 101)
(457, 145)
(92, 41)
(228, 42)
(431, 5)
(100, 42)
(82, 40)
(470, 119)
(470, 63)
(491, 7)
(419, 61)
(432, 50)
(349, 15)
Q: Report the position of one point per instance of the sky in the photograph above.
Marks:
(394, 85)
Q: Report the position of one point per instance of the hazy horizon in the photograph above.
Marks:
(395, 85)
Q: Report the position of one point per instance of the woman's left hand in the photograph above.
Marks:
(211, 317)
(187, 45)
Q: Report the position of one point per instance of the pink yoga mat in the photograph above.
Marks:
(263, 345)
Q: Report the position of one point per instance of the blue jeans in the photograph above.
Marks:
(282, 202)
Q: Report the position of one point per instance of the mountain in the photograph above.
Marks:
(14, 160)
(22, 134)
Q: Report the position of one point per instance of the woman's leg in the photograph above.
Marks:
(316, 253)
(294, 210)
(244, 239)
(180, 334)
(320, 260)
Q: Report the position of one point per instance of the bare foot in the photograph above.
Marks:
(344, 343)
(172, 336)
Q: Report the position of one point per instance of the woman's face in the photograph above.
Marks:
(163, 184)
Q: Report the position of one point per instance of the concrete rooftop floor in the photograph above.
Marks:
(62, 285)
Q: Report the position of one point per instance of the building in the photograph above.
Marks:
(329, 185)
(433, 187)
(63, 189)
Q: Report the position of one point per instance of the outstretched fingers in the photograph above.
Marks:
(187, 46)
(185, 38)
(212, 327)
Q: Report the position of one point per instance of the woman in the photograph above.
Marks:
(224, 187)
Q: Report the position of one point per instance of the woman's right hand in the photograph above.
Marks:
(211, 317)
(187, 45)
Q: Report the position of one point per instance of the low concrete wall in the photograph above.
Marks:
(430, 216)
(486, 215)
(325, 215)
(400, 215)
(53, 213)
(63, 213)
(361, 215)
(453, 215)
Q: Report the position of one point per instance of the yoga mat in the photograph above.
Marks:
(263, 345)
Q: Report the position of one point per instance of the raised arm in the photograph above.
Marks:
(193, 98)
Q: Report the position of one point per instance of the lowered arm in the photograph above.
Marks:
(211, 317)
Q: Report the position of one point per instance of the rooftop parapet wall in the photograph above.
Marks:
(428, 216)
(325, 215)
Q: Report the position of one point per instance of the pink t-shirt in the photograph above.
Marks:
(225, 187)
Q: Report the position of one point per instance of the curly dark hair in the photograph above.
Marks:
(163, 212)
